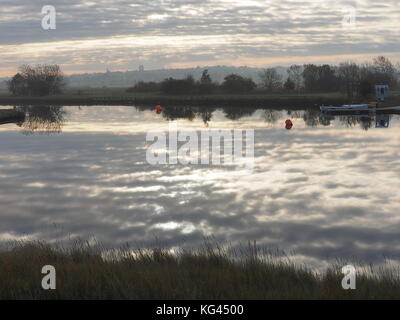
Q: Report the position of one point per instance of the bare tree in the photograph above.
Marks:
(271, 79)
(349, 75)
(17, 85)
(384, 71)
(295, 74)
(39, 80)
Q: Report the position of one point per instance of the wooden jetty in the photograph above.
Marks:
(11, 116)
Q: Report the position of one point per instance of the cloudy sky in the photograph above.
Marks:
(122, 34)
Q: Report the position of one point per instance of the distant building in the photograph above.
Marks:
(382, 92)
(141, 68)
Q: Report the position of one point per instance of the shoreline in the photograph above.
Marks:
(217, 100)
(262, 101)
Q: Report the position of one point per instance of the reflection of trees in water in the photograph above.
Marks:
(325, 121)
(174, 113)
(350, 121)
(366, 123)
(189, 113)
(42, 119)
(203, 112)
(312, 117)
(206, 114)
(272, 116)
(235, 113)
(295, 113)
(142, 108)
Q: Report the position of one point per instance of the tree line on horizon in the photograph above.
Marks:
(348, 77)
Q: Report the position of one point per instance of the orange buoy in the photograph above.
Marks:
(158, 109)
(288, 124)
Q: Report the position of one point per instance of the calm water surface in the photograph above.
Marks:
(328, 188)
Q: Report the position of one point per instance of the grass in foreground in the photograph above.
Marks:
(87, 272)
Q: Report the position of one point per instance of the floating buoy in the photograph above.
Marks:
(158, 109)
(288, 124)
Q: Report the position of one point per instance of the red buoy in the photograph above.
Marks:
(288, 124)
(158, 109)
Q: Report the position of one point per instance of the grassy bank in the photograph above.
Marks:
(258, 99)
(84, 272)
(119, 96)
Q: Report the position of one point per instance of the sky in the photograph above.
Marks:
(92, 36)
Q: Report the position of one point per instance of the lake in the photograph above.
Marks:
(329, 188)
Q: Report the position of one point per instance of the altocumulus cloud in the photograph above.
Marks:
(179, 33)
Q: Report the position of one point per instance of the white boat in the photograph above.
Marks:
(350, 107)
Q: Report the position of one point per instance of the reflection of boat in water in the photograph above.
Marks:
(360, 116)
(359, 108)
(365, 117)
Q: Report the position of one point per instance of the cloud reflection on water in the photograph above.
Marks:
(323, 192)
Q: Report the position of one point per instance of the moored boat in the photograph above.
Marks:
(350, 107)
